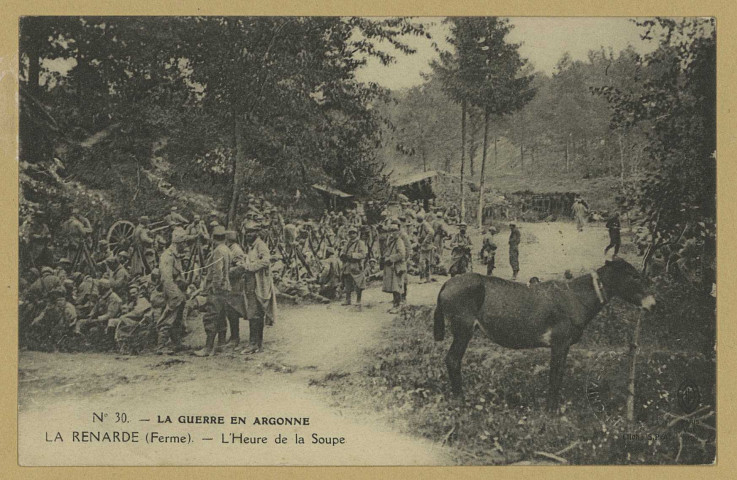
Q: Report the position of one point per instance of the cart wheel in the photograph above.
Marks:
(120, 235)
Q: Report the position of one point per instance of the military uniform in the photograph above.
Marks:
(352, 255)
(236, 299)
(425, 236)
(218, 291)
(260, 295)
(170, 268)
(514, 241)
(394, 268)
(461, 246)
(141, 241)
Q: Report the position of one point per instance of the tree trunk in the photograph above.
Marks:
(471, 146)
(34, 55)
(463, 157)
(634, 347)
(495, 140)
(621, 159)
(482, 180)
(566, 154)
(522, 157)
(238, 162)
(424, 160)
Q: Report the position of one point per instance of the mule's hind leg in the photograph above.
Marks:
(558, 355)
(462, 333)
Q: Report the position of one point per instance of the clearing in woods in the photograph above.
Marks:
(307, 343)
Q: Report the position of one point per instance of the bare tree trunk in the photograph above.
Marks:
(634, 347)
(238, 162)
(463, 158)
(34, 55)
(424, 160)
(566, 155)
(480, 213)
(522, 157)
(621, 159)
(495, 140)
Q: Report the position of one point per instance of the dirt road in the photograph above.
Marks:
(60, 392)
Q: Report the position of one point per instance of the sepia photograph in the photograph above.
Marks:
(366, 241)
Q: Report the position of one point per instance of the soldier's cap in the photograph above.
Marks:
(103, 283)
(65, 261)
(420, 216)
(149, 251)
(402, 218)
(58, 292)
(75, 211)
(68, 282)
(196, 217)
(76, 276)
(143, 218)
(179, 236)
(174, 208)
(132, 288)
(393, 227)
(214, 223)
(155, 272)
(463, 225)
(124, 254)
(251, 226)
(329, 250)
(512, 224)
(111, 259)
(102, 242)
(218, 231)
(372, 260)
(231, 235)
(352, 230)
(40, 212)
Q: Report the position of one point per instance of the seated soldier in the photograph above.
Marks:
(135, 330)
(54, 323)
(107, 307)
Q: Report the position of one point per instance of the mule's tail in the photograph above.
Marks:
(439, 327)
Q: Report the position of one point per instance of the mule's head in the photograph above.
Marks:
(621, 279)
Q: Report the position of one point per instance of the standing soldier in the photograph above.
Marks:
(218, 291)
(580, 209)
(460, 252)
(352, 256)
(74, 231)
(172, 280)
(39, 238)
(408, 249)
(141, 241)
(425, 237)
(174, 219)
(615, 240)
(237, 299)
(441, 234)
(514, 239)
(488, 251)
(259, 286)
(394, 267)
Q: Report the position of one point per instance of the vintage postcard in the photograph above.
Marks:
(366, 241)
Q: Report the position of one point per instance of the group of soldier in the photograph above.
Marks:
(136, 295)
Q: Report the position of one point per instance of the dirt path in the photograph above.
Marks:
(59, 392)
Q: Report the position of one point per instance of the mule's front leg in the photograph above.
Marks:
(558, 356)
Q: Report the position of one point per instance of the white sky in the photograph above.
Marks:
(544, 40)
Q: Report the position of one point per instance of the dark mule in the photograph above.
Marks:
(550, 314)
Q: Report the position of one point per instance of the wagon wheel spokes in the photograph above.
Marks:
(120, 235)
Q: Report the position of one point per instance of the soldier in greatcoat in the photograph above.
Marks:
(394, 267)
(352, 255)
